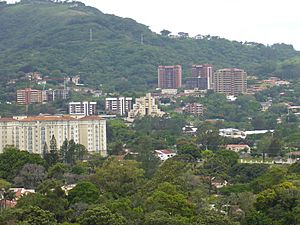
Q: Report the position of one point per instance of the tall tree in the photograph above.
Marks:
(100, 215)
(119, 178)
(30, 176)
(70, 152)
(52, 156)
(12, 160)
(165, 33)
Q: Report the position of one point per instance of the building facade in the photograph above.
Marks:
(59, 94)
(145, 106)
(82, 108)
(200, 83)
(169, 77)
(230, 81)
(27, 96)
(194, 108)
(205, 72)
(31, 133)
(119, 105)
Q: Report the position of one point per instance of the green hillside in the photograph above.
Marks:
(54, 38)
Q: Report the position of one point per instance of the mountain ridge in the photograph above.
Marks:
(60, 39)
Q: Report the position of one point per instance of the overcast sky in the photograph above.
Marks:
(263, 21)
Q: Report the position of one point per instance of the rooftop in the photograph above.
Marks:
(49, 118)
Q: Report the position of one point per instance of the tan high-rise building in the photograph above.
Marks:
(169, 77)
(145, 106)
(230, 81)
(31, 133)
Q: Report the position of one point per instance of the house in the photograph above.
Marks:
(164, 154)
(19, 192)
(218, 183)
(232, 133)
(188, 129)
(68, 187)
(238, 147)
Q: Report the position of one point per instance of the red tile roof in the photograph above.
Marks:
(7, 120)
(164, 151)
(47, 118)
(50, 118)
(91, 118)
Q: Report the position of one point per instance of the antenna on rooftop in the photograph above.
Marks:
(142, 39)
(91, 34)
(65, 83)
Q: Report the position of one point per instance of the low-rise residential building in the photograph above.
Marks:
(164, 154)
(118, 105)
(238, 147)
(145, 106)
(189, 129)
(27, 96)
(168, 91)
(82, 108)
(194, 108)
(32, 133)
(232, 133)
(58, 94)
(265, 105)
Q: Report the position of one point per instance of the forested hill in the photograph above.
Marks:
(71, 38)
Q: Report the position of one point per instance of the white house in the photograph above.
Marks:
(164, 154)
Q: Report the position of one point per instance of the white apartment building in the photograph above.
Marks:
(145, 106)
(31, 133)
(82, 108)
(119, 105)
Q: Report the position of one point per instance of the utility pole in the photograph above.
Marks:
(142, 39)
(91, 34)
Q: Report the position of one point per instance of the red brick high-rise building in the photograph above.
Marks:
(27, 96)
(169, 77)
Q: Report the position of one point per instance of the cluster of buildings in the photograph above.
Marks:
(28, 95)
(39, 79)
(124, 106)
(84, 127)
(230, 81)
(81, 124)
(260, 85)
